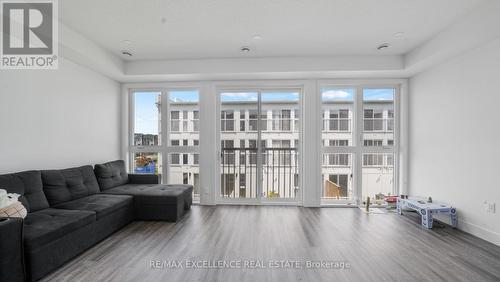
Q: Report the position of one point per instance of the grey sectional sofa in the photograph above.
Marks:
(72, 209)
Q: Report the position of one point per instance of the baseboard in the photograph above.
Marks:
(480, 232)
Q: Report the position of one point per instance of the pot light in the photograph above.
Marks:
(257, 37)
(383, 46)
(127, 53)
(245, 49)
(398, 34)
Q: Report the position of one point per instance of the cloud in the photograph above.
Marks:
(239, 96)
(336, 95)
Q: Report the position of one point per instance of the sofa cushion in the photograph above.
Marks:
(69, 184)
(151, 194)
(28, 184)
(47, 225)
(102, 204)
(111, 174)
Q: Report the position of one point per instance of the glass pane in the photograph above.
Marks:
(377, 177)
(184, 117)
(147, 163)
(147, 118)
(239, 125)
(183, 168)
(337, 113)
(280, 158)
(337, 171)
(378, 116)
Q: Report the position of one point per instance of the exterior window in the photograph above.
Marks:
(174, 143)
(185, 120)
(227, 120)
(175, 121)
(252, 120)
(196, 159)
(281, 120)
(374, 143)
(196, 121)
(185, 178)
(185, 159)
(336, 159)
(296, 120)
(373, 160)
(174, 159)
(373, 120)
(335, 143)
(336, 120)
(196, 142)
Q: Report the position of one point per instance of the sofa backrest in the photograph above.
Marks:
(69, 184)
(111, 174)
(28, 184)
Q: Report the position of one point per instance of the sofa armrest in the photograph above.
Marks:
(11, 248)
(144, 178)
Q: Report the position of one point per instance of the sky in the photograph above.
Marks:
(347, 94)
(146, 111)
(253, 96)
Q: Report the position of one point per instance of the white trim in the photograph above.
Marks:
(479, 231)
(310, 145)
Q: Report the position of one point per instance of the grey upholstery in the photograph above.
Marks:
(101, 204)
(83, 210)
(111, 174)
(69, 184)
(47, 225)
(11, 248)
(155, 194)
(28, 184)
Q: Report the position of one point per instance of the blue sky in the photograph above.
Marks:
(146, 113)
(347, 94)
(253, 96)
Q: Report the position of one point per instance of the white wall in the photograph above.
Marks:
(56, 119)
(455, 137)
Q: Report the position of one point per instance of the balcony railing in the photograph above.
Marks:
(239, 172)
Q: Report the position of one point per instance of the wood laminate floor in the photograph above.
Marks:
(374, 247)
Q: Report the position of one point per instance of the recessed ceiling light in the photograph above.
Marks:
(398, 34)
(127, 41)
(127, 53)
(163, 20)
(257, 37)
(245, 49)
(383, 46)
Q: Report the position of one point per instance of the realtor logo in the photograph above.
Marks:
(29, 34)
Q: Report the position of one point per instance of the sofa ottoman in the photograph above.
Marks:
(153, 201)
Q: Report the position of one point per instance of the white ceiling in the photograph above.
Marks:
(198, 29)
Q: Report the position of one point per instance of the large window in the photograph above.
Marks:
(183, 158)
(358, 130)
(337, 131)
(147, 125)
(173, 151)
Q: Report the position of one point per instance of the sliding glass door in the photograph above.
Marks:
(259, 146)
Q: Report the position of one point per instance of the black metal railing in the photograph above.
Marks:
(240, 172)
